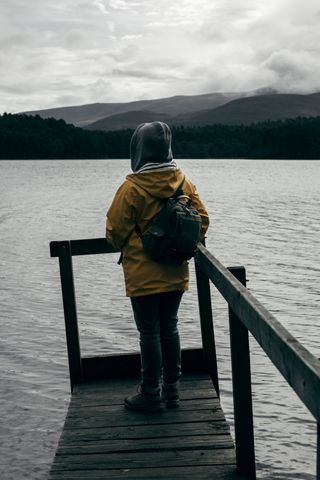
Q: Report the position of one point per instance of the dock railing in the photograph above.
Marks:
(298, 366)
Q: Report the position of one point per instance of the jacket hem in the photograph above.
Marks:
(153, 291)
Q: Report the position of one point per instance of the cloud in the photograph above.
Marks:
(156, 73)
(119, 4)
(294, 71)
(256, 44)
(130, 38)
(101, 6)
(121, 50)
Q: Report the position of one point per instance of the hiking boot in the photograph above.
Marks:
(148, 399)
(170, 394)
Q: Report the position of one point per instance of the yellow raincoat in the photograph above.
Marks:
(136, 202)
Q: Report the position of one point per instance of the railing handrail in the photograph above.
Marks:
(299, 367)
(91, 246)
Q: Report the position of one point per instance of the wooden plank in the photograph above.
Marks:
(144, 431)
(92, 246)
(113, 392)
(185, 405)
(111, 366)
(123, 418)
(119, 415)
(299, 367)
(225, 472)
(170, 458)
(116, 398)
(123, 385)
(149, 444)
(126, 365)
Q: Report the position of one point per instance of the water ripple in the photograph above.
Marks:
(265, 215)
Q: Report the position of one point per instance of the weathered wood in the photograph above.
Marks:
(143, 431)
(92, 246)
(70, 313)
(318, 450)
(225, 472)
(298, 366)
(114, 390)
(207, 329)
(171, 458)
(126, 365)
(122, 418)
(111, 366)
(149, 444)
(111, 439)
(242, 394)
(121, 387)
(116, 398)
(84, 409)
(203, 387)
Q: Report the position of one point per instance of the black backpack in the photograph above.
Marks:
(174, 233)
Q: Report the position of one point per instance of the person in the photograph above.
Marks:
(155, 289)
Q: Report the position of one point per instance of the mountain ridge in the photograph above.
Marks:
(256, 109)
(121, 121)
(194, 110)
(83, 115)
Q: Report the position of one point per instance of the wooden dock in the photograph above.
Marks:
(102, 440)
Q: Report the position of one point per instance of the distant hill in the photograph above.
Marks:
(241, 111)
(84, 115)
(196, 110)
(125, 120)
(255, 109)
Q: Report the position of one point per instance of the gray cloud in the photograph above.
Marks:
(78, 51)
(257, 44)
(157, 74)
(294, 71)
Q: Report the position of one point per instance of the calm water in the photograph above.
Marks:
(265, 215)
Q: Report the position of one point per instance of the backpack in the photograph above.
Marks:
(174, 233)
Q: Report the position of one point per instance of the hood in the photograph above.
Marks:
(159, 184)
(150, 143)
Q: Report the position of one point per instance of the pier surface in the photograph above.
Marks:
(102, 440)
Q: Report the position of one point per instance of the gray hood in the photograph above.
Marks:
(150, 144)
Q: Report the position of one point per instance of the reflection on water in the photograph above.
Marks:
(265, 215)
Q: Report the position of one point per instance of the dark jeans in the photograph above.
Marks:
(156, 319)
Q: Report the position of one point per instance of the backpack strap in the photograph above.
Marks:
(179, 190)
(138, 230)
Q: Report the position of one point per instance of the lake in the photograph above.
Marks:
(265, 215)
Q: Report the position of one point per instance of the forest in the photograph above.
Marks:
(32, 137)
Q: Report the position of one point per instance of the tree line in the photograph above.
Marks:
(32, 137)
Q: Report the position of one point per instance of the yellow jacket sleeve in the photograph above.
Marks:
(121, 216)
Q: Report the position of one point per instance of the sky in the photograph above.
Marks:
(72, 52)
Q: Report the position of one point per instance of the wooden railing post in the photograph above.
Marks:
(70, 313)
(207, 329)
(242, 395)
(318, 450)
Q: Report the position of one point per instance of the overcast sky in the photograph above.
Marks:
(72, 52)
